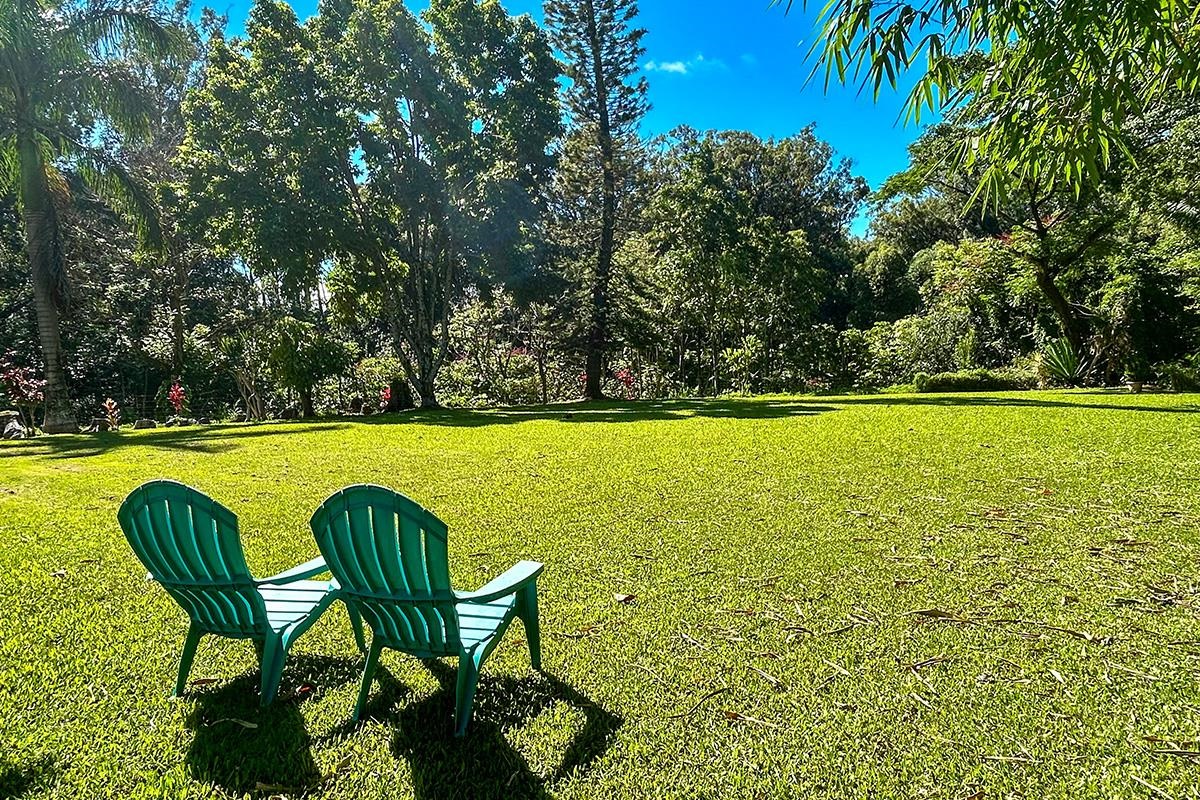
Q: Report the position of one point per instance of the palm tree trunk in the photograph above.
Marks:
(43, 247)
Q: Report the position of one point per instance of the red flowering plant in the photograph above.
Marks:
(112, 413)
(25, 390)
(625, 377)
(385, 398)
(177, 397)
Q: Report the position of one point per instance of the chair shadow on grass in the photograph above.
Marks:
(19, 780)
(482, 765)
(241, 747)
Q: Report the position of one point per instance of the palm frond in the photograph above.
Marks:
(111, 90)
(107, 27)
(119, 188)
(10, 163)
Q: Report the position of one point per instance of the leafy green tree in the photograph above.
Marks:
(65, 92)
(407, 156)
(1046, 87)
(605, 101)
(884, 286)
(1055, 230)
(303, 355)
(748, 239)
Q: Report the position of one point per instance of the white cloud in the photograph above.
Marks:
(678, 67)
(692, 65)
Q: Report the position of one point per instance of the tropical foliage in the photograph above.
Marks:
(376, 208)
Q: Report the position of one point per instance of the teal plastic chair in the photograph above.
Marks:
(190, 545)
(388, 555)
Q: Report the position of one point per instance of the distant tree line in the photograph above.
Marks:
(372, 209)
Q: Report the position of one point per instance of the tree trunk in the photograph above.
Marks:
(306, 403)
(401, 395)
(426, 391)
(598, 330)
(543, 391)
(178, 289)
(43, 248)
(1069, 320)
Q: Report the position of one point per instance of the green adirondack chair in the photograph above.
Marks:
(388, 554)
(190, 545)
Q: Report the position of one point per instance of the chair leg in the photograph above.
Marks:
(186, 658)
(527, 610)
(368, 672)
(271, 666)
(468, 678)
(357, 625)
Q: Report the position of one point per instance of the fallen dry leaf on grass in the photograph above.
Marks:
(626, 599)
(259, 786)
(737, 716)
(774, 682)
(1155, 790)
(1188, 754)
(838, 667)
(700, 702)
(1179, 743)
(937, 615)
(929, 662)
(243, 723)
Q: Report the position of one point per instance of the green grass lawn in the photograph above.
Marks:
(915, 597)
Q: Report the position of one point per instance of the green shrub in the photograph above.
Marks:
(975, 380)
(1182, 376)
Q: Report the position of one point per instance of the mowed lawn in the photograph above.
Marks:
(973, 596)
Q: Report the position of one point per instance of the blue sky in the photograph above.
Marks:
(737, 64)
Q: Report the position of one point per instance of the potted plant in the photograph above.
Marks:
(1137, 373)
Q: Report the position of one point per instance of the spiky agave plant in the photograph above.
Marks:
(67, 93)
(1062, 363)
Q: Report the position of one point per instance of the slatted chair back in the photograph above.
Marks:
(388, 555)
(189, 543)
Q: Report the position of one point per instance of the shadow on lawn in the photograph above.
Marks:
(275, 751)
(19, 780)
(275, 754)
(193, 439)
(991, 401)
(609, 411)
(226, 437)
(482, 764)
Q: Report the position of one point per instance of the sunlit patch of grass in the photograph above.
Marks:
(899, 596)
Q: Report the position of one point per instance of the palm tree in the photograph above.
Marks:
(69, 94)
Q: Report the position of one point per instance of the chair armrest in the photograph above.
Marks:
(297, 573)
(516, 578)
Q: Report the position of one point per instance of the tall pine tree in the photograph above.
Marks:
(606, 99)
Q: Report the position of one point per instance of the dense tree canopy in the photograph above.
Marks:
(373, 208)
